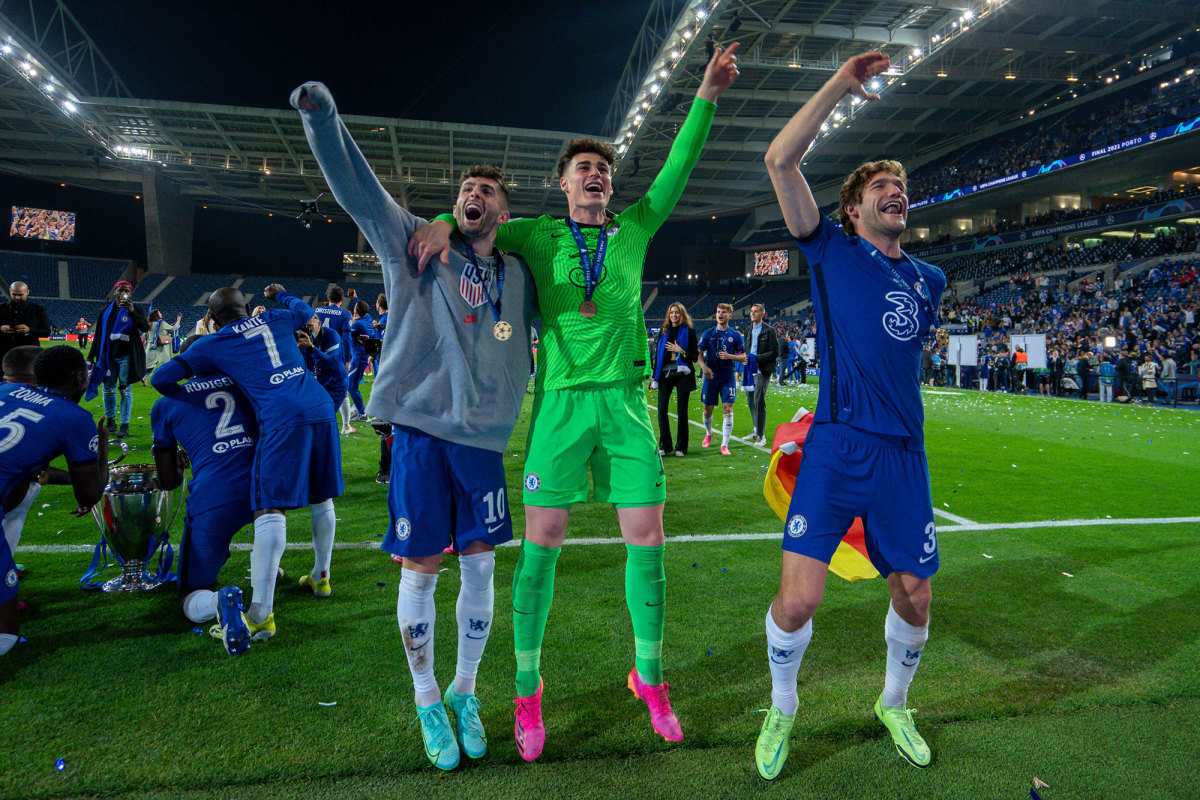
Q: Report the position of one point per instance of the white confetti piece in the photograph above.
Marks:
(1069, 575)
(45, 505)
(985, 555)
(1014, 466)
(327, 705)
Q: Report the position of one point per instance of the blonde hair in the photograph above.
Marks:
(685, 319)
(725, 307)
(852, 187)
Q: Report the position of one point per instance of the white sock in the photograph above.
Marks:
(7, 642)
(474, 611)
(324, 525)
(784, 653)
(270, 540)
(904, 645)
(344, 410)
(726, 429)
(415, 613)
(14, 520)
(200, 605)
(708, 424)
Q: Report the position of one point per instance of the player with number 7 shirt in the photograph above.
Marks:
(297, 458)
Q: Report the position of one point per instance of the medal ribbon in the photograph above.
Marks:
(495, 307)
(591, 268)
(923, 291)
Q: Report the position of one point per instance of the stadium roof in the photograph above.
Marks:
(962, 69)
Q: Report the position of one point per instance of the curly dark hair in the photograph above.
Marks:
(586, 144)
(852, 187)
(486, 171)
(54, 366)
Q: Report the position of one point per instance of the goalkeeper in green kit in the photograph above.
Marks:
(589, 403)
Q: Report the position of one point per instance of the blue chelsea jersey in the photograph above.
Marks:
(872, 313)
(715, 341)
(336, 319)
(260, 354)
(36, 426)
(213, 422)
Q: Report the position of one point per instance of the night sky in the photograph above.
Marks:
(542, 65)
(522, 64)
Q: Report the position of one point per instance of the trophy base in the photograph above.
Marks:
(131, 579)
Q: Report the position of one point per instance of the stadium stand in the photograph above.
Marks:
(93, 278)
(38, 270)
(308, 289)
(1174, 97)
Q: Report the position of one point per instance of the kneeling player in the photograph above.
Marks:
(41, 423)
(214, 424)
(297, 456)
(720, 347)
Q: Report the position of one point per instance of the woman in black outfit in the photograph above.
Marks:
(675, 360)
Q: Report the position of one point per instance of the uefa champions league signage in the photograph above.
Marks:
(1063, 163)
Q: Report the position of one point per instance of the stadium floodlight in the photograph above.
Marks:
(1110, 341)
(6, 48)
(68, 106)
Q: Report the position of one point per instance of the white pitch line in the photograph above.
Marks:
(767, 450)
(705, 537)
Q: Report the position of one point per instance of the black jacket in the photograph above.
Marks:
(137, 351)
(768, 347)
(26, 313)
(691, 354)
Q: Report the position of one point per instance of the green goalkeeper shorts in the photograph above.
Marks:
(607, 428)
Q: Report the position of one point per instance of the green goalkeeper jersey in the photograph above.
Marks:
(610, 348)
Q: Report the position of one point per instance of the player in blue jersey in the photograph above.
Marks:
(337, 319)
(360, 331)
(297, 458)
(325, 365)
(381, 318)
(214, 424)
(720, 348)
(38, 424)
(865, 453)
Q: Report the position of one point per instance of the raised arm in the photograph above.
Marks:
(350, 177)
(668, 186)
(302, 312)
(800, 210)
(434, 239)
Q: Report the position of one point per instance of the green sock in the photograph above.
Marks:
(533, 592)
(646, 595)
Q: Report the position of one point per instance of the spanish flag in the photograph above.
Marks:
(850, 560)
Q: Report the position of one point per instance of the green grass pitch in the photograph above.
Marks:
(1066, 651)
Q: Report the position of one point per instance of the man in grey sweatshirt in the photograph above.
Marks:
(451, 380)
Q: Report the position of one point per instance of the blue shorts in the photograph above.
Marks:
(296, 466)
(846, 473)
(8, 570)
(717, 389)
(204, 546)
(439, 489)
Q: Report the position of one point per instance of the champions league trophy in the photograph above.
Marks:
(133, 515)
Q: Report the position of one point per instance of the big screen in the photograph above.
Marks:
(41, 223)
(771, 262)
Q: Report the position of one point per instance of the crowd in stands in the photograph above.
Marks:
(1048, 258)
(1147, 107)
(1067, 214)
(1150, 318)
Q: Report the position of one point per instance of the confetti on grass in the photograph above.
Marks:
(327, 705)
(1069, 575)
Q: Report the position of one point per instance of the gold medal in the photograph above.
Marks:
(502, 331)
(587, 309)
(943, 338)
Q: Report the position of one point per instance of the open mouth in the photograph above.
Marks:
(473, 212)
(892, 207)
(594, 187)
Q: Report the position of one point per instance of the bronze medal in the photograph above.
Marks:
(502, 331)
(943, 338)
(587, 309)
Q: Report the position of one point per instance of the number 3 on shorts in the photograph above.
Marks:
(931, 532)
